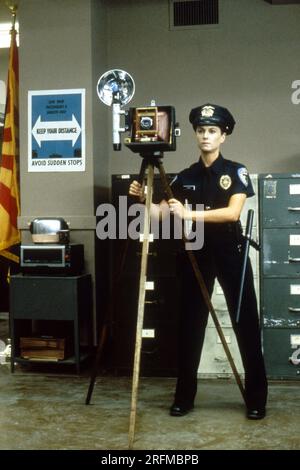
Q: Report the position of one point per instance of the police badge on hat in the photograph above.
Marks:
(212, 115)
(225, 181)
(207, 111)
(243, 175)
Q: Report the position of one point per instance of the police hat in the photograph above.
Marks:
(212, 115)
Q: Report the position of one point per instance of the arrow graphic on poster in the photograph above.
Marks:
(56, 130)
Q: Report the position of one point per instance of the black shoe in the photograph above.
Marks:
(178, 410)
(256, 413)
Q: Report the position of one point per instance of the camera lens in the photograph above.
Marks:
(146, 122)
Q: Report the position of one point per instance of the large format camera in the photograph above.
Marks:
(152, 129)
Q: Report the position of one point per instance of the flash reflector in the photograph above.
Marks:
(115, 85)
(152, 129)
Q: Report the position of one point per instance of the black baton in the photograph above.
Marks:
(246, 252)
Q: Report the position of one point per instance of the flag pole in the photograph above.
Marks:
(9, 195)
(13, 9)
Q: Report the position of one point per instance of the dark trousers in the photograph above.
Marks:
(224, 263)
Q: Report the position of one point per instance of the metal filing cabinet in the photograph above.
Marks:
(280, 273)
(159, 345)
(214, 362)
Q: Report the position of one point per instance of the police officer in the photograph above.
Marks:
(222, 186)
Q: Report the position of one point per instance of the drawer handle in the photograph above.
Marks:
(156, 302)
(294, 260)
(220, 359)
(294, 209)
(294, 359)
(294, 309)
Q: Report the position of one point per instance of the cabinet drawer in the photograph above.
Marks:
(162, 302)
(159, 347)
(280, 202)
(282, 352)
(214, 360)
(281, 252)
(158, 351)
(281, 302)
(161, 262)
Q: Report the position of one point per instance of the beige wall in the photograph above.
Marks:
(246, 63)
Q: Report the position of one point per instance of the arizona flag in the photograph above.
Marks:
(9, 193)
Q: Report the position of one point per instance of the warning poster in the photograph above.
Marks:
(56, 130)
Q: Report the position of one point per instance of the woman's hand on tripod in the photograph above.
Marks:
(136, 189)
(177, 208)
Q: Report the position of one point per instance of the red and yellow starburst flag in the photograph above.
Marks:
(9, 192)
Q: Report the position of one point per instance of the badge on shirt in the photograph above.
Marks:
(225, 181)
(243, 175)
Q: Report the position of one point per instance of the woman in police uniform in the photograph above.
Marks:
(222, 186)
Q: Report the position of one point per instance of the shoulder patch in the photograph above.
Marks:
(243, 176)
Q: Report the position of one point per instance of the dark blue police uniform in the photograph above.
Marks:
(220, 257)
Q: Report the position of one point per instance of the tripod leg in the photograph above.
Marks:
(109, 312)
(203, 288)
(104, 330)
(141, 306)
